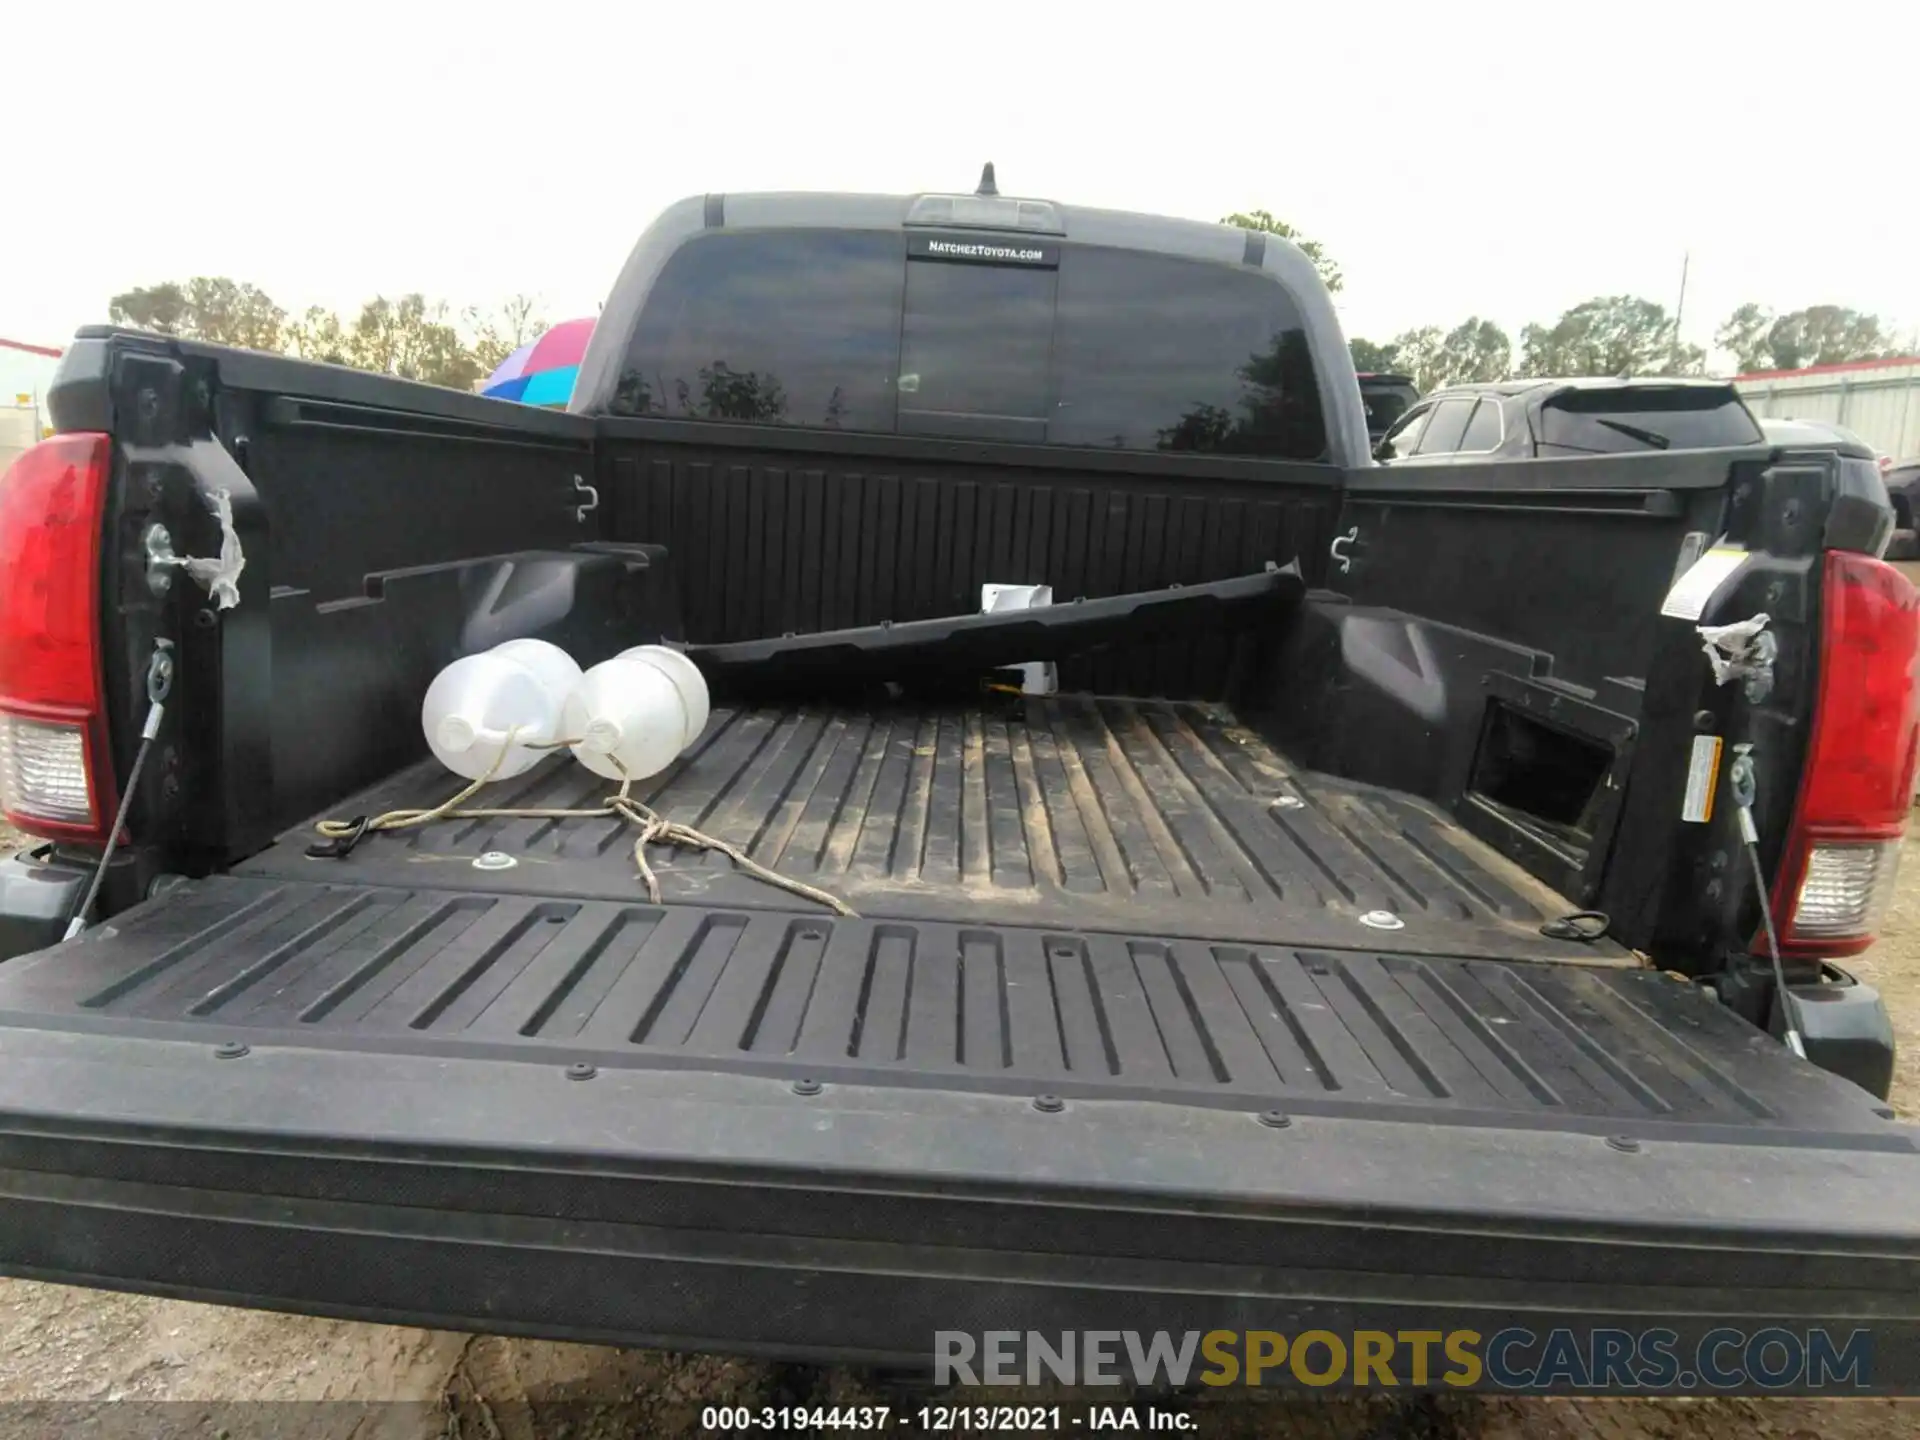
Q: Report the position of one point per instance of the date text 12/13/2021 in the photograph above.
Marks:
(946, 1419)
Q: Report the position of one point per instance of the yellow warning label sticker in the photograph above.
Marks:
(1703, 778)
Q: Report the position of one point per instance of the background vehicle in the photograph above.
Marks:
(1903, 489)
(1386, 398)
(1859, 455)
(1522, 419)
(1239, 978)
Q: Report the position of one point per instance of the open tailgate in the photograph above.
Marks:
(785, 1132)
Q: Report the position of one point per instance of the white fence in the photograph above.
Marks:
(1878, 400)
(19, 428)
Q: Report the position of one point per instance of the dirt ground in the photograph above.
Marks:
(79, 1361)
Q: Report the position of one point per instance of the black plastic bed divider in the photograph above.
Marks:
(965, 642)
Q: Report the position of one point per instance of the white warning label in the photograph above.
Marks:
(1687, 600)
(1703, 777)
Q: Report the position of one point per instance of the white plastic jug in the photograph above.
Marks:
(476, 703)
(634, 713)
(558, 671)
(686, 678)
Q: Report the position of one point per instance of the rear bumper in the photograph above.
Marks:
(691, 1209)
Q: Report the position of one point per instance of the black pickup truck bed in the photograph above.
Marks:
(400, 1087)
(999, 862)
(1087, 814)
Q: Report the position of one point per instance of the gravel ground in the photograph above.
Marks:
(71, 1360)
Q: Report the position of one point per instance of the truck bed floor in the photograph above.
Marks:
(404, 949)
(1118, 816)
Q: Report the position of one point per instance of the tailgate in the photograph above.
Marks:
(753, 1130)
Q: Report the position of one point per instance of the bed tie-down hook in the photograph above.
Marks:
(586, 499)
(1342, 549)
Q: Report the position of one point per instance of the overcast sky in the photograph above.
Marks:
(1504, 160)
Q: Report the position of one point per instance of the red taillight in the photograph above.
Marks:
(56, 774)
(1857, 787)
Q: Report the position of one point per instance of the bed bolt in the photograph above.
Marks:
(229, 1050)
(580, 1070)
(1275, 1119)
(806, 1087)
(1291, 802)
(1049, 1104)
(1625, 1144)
(1382, 920)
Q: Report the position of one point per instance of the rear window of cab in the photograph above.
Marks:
(1042, 342)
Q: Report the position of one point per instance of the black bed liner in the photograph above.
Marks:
(402, 1089)
(973, 1008)
(457, 1141)
(1115, 816)
(762, 1129)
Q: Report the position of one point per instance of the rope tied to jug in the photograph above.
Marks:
(655, 829)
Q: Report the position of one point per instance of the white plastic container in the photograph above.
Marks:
(687, 679)
(557, 670)
(1037, 677)
(635, 713)
(476, 703)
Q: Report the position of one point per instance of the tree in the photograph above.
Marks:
(319, 335)
(1263, 221)
(411, 336)
(1477, 350)
(1817, 335)
(1474, 350)
(1609, 335)
(497, 334)
(413, 339)
(211, 308)
(1418, 355)
(1745, 333)
(1372, 359)
(161, 308)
